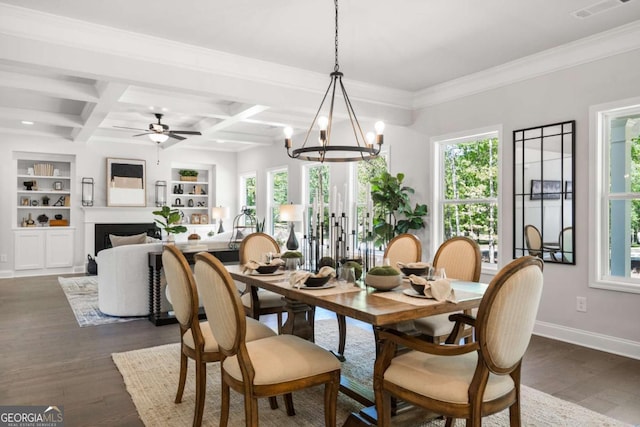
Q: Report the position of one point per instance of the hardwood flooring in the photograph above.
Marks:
(47, 359)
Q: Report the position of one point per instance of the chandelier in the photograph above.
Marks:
(363, 148)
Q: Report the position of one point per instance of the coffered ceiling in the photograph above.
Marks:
(239, 71)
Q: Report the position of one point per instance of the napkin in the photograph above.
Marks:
(298, 278)
(413, 265)
(253, 265)
(440, 289)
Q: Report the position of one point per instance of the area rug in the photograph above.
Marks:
(82, 294)
(151, 378)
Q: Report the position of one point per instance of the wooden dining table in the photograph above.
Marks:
(357, 301)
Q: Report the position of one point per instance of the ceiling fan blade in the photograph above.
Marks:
(178, 137)
(187, 132)
(124, 127)
(146, 133)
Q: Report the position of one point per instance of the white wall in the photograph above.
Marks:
(91, 162)
(612, 317)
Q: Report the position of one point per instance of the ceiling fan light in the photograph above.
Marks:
(158, 137)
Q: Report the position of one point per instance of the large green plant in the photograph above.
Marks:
(172, 219)
(393, 213)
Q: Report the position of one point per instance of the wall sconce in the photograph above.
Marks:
(219, 213)
(87, 191)
(161, 193)
(291, 213)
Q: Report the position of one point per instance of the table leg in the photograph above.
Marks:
(298, 319)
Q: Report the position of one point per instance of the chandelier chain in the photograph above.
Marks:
(336, 67)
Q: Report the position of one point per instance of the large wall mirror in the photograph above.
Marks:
(543, 178)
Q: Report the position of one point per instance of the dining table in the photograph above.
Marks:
(355, 300)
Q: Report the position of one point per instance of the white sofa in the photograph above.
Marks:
(123, 279)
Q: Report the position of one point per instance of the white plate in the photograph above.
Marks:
(412, 293)
(325, 286)
(275, 273)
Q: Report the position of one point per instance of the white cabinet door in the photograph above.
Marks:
(29, 249)
(59, 248)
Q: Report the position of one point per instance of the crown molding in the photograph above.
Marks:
(602, 45)
(45, 27)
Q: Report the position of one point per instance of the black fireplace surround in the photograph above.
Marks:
(102, 232)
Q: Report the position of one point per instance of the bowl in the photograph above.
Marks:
(267, 269)
(383, 283)
(418, 287)
(314, 282)
(408, 271)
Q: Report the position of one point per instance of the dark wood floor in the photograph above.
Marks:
(46, 359)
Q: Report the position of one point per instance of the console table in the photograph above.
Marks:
(158, 317)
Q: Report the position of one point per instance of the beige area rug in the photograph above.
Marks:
(151, 377)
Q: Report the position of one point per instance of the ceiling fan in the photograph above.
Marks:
(159, 132)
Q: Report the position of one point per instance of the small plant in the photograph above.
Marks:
(385, 270)
(291, 254)
(172, 219)
(188, 172)
(326, 261)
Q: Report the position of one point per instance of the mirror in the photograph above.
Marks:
(543, 175)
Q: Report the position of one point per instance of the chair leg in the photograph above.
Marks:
(342, 333)
(514, 414)
(251, 411)
(448, 421)
(201, 389)
(312, 322)
(224, 404)
(273, 402)
(331, 400)
(288, 403)
(183, 376)
(279, 314)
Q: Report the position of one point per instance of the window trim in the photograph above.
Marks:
(598, 220)
(437, 229)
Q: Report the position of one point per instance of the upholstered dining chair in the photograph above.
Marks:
(565, 246)
(404, 248)
(277, 365)
(257, 301)
(472, 380)
(461, 259)
(196, 340)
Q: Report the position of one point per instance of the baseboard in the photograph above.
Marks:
(620, 346)
(6, 274)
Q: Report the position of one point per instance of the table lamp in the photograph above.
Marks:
(219, 213)
(291, 213)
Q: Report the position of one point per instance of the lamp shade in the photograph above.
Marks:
(219, 212)
(291, 212)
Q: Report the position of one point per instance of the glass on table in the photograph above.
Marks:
(347, 275)
(291, 266)
(267, 257)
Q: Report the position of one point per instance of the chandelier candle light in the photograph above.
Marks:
(363, 148)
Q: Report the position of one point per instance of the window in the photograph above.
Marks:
(248, 192)
(615, 197)
(278, 195)
(466, 191)
(364, 171)
(316, 185)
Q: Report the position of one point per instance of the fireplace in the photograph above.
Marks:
(102, 232)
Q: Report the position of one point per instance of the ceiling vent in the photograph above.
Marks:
(596, 8)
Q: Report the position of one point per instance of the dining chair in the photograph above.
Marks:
(196, 340)
(257, 301)
(471, 380)
(565, 246)
(404, 248)
(461, 259)
(276, 365)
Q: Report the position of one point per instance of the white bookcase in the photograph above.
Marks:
(193, 195)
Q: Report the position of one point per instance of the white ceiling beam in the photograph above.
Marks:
(95, 113)
(55, 88)
(56, 119)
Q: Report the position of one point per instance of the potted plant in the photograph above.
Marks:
(188, 175)
(383, 278)
(171, 224)
(393, 213)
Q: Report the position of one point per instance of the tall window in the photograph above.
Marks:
(248, 192)
(365, 170)
(316, 185)
(278, 195)
(467, 191)
(615, 198)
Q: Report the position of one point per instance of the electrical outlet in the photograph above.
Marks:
(3, 258)
(581, 304)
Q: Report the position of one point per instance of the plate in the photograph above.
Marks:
(325, 286)
(276, 273)
(412, 293)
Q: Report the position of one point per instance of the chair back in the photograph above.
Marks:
(182, 287)
(533, 240)
(404, 248)
(566, 244)
(255, 245)
(507, 313)
(460, 257)
(221, 303)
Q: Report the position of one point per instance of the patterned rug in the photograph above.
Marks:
(151, 378)
(82, 294)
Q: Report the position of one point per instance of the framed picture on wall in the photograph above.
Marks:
(126, 183)
(545, 189)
